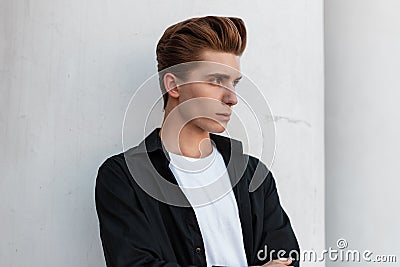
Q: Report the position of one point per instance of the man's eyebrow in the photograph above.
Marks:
(222, 75)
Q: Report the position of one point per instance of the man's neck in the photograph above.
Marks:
(189, 140)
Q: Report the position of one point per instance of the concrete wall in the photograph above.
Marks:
(362, 126)
(68, 70)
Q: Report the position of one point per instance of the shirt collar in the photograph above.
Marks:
(153, 143)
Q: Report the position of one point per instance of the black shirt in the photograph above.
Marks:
(138, 229)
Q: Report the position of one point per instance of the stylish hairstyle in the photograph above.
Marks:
(184, 42)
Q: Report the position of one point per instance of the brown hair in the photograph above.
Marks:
(184, 41)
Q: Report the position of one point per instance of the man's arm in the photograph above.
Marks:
(277, 228)
(124, 230)
(277, 231)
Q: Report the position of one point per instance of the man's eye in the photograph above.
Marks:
(235, 83)
(216, 80)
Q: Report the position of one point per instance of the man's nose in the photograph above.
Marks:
(230, 97)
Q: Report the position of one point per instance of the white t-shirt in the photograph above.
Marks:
(215, 207)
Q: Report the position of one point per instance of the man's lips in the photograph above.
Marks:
(223, 116)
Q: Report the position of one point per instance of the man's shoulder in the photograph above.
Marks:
(113, 170)
(257, 174)
(119, 159)
(254, 165)
(113, 160)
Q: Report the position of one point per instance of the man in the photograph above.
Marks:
(181, 197)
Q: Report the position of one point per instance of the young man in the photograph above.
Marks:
(181, 197)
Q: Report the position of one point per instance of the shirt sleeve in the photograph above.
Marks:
(277, 232)
(124, 230)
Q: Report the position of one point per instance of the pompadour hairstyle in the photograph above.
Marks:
(184, 42)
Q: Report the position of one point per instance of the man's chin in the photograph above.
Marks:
(216, 128)
(211, 125)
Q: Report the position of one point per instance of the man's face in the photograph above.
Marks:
(207, 93)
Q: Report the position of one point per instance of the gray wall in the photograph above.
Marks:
(68, 70)
(362, 125)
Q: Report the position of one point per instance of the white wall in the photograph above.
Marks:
(68, 69)
(362, 125)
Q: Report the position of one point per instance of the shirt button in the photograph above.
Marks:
(198, 250)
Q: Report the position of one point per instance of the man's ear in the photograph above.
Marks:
(171, 85)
